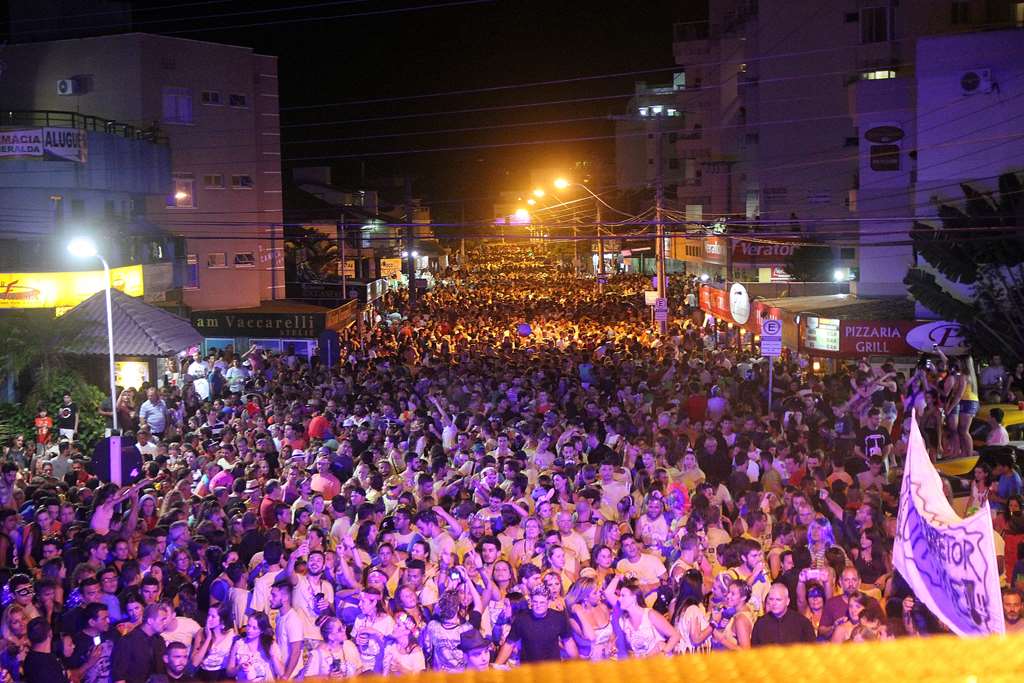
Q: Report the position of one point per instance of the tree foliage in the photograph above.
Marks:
(811, 263)
(979, 246)
(37, 352)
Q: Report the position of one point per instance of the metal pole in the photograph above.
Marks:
(659, 202)
(600, 249)
(110, 340)
(771, 381)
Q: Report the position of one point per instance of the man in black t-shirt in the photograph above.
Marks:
(41, 665)
(539, 632)
(93, 647)
(873, 441)
(67, 418)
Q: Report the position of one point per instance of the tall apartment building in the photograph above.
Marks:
(775, 96)
(217, 106)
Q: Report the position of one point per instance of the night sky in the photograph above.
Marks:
(331, 59)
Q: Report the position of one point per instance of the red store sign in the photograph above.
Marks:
(714, 301)
(875, 337)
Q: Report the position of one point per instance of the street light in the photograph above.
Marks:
(539, 192)
(561, 183)
(84, 248)
(522, 215)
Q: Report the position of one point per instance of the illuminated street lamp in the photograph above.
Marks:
(522, 215)
(561, 183)
(539, 192)
(84, 248)
(531, 201)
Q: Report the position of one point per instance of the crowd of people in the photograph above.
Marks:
(517, 469)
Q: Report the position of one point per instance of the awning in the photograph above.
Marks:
(139, 328)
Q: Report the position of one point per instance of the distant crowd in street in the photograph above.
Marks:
(517, 469)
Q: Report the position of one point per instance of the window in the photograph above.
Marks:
(213, 181)
(847, 253)
(238, 100)
(177, 105)
(851, 17)
(752, 204)
(183, 193)
(874, 24)
(192, 271)
(673, 163)
(109, 209)
(1018, 14)
(241, 182)
(878, 75)
(211, 97)
(673, 137)
(960, 12)
(78, 208)
(245, 259)
(217, 259)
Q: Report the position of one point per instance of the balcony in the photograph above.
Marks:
(70, 119)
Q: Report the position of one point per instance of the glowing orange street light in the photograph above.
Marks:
(522, 215)
(561, 183)
(531, 201)
(539, 192)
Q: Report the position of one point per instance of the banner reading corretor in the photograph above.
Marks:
(949, 561)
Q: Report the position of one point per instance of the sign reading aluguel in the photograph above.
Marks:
(52, 144)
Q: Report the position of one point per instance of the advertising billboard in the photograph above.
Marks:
(64, 290)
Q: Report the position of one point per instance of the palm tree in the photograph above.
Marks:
(981, 247)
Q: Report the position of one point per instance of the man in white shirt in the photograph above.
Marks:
(198, 368)
(289, 629)
(644, 567)
(997, 436)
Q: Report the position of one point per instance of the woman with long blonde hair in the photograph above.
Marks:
(590, 619)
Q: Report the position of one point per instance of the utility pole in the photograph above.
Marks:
(462, 228)
(600, 248)
(342, 265)
(410, 244)
(575, 246)
(659, 206)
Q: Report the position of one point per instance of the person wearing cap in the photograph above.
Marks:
(476, 651)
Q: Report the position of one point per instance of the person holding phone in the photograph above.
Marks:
(92, 646)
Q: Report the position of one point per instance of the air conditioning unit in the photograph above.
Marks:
(67, 86)
(976, 81)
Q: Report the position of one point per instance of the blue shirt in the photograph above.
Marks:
(155, 415)
(1010, 485)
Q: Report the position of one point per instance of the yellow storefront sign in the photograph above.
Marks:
(64, 290)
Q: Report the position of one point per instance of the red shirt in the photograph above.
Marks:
(267, 516)
(318, 427)
(44, 425)
(697, 407)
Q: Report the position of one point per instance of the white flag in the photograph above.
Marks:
(949, 562)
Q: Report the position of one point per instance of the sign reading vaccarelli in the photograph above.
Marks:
(270, 325)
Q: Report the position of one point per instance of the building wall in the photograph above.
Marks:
(778, 85)
(133, 78)
(967, 138)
